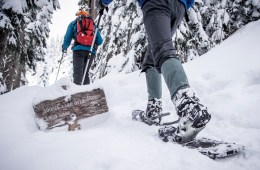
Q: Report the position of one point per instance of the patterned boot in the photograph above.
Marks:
(193, 115)
(153, 111)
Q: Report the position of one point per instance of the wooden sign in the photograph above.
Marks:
(53, 113)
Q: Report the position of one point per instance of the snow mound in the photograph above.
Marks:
(226, 78)
(63, 87)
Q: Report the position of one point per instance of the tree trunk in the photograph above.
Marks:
(18, 79)
(93, 12)
(3, 40)
(10, 70)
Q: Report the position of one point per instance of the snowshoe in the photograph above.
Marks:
(140, 115)
(214, 149)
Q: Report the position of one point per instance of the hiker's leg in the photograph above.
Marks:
(78, 66)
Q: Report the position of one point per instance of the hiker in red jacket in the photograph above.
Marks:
(82, 31)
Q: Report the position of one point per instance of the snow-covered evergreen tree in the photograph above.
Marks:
(124, 39)
(23, 32)
(210, 22)
(47, 70)
(89, 5)
(85, 4)
(24, 29)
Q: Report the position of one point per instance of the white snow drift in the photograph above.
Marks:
(227, 79)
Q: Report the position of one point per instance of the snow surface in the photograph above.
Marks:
(227, 79)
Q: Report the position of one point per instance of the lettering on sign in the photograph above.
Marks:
(83, 105)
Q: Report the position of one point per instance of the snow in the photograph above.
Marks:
(55, 91)
(5, 22)
(226, 78)
(116, 63)
(15, 6)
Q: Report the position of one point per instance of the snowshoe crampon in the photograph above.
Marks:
(209, 147)
(139, 115)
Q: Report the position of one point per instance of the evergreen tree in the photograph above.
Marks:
(46, 71)
(210, 22)
(85, 4)
(23, 33)
(124, 41)
(89, 5)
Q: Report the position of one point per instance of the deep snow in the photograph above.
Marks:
(227, 79)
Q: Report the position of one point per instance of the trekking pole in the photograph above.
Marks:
(59, 66)
(92, 46)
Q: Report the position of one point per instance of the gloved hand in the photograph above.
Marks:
(64, 50)
(102, 5)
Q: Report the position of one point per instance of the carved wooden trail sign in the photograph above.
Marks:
(53, 113)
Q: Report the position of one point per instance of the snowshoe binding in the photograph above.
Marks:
(153, 114)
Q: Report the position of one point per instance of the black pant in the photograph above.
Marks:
(161, 20)
(80, 59)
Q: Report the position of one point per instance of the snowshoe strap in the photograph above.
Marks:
(169, 123)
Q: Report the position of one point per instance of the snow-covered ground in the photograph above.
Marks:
(227, 79)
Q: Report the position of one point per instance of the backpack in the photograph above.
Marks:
(85, 30)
